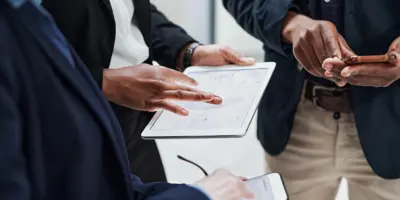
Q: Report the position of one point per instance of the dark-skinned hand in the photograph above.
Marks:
(149, 88)
(313, 41)
(371, 74)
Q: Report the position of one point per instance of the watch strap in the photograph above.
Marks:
(187, 57)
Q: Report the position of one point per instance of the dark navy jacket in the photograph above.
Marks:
(369, 27)
(59, 138)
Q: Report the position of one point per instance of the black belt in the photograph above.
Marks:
(329, 98)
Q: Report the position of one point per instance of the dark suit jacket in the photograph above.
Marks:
(90, 27)
(370, 27)
(59, 138)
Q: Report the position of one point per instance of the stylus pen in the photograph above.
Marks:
(193, 163)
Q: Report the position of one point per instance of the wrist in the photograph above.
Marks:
(197, 55)
(107, 84)
(186, 55)
(179, 60)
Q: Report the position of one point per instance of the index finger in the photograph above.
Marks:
(333, 67)
(246, 193)
(330, 38)
(345, 49)
(333, 64)
(177, 87)
(186, 95)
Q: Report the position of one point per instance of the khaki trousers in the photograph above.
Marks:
(320, 152)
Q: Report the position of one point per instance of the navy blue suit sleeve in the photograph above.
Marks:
(165, 191)
(14, 182)
(167, 39)
(263, 19)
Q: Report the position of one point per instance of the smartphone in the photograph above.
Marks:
(385, 58)
(268, 187)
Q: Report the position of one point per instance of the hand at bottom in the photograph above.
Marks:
(222, 185)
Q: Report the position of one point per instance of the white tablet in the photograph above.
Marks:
(241, 89)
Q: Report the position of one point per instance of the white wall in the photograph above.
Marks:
(194, 16)
(230, 33)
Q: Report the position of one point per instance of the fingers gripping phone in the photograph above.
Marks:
(267, 187)
(389, 58)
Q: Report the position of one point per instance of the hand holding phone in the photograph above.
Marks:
(369, 71)
(266, 187)
(389, 58)
(222, 185)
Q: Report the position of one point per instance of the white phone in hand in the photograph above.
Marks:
(268, 187)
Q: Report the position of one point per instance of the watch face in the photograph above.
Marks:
(187, 57)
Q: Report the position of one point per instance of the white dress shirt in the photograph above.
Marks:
(130, 47)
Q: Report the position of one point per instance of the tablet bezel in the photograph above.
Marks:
(220, 133)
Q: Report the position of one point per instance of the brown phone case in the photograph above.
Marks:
(386, 58)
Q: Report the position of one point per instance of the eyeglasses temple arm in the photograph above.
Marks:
(193, 163)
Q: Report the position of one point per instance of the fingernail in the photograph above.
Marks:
(327, 67)
(248, 60)
(217, 100)
(184, 112)
(346, 72)
(328, 74)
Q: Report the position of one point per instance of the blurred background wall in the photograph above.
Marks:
(209, 22)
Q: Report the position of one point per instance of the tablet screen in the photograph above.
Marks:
(239, 90)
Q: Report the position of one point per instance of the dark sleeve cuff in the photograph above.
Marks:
(97, 74)
(181, 192)
(162, 191)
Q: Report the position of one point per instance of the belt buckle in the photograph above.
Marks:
(314, 92)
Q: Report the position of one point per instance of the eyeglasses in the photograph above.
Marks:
(193, 163)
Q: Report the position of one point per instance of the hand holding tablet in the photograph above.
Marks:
(241, 89)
